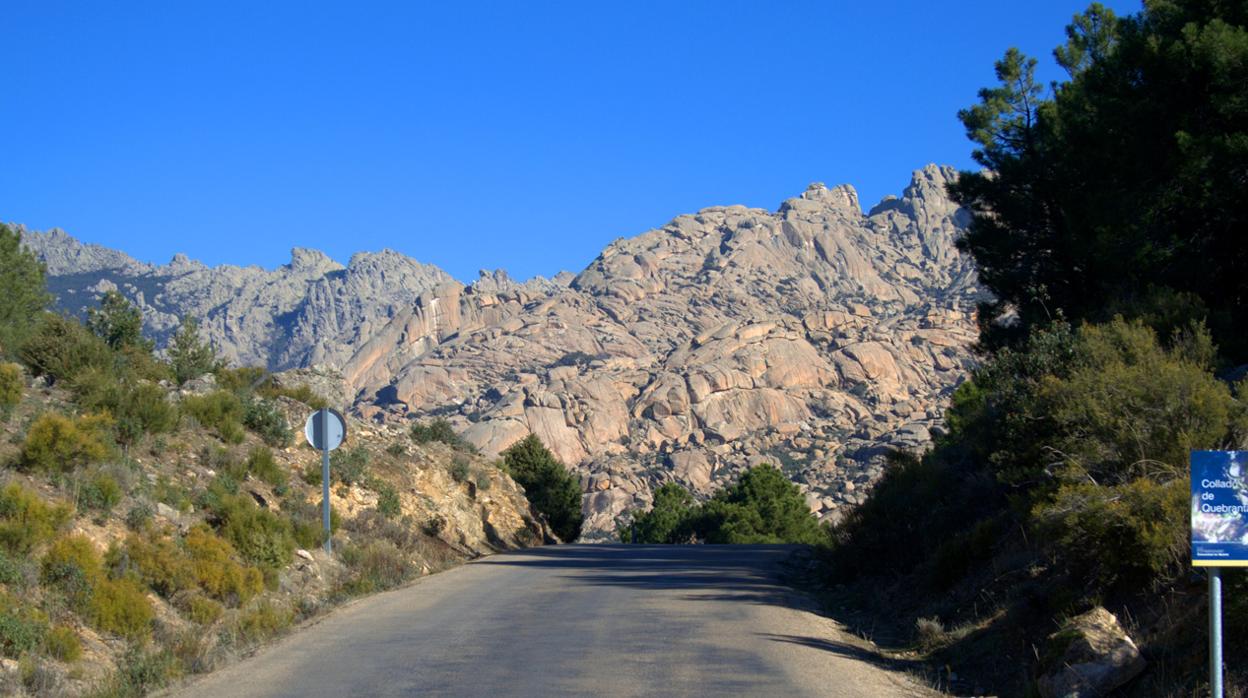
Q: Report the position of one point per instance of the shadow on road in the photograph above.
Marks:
(743, 573)
(845, 649)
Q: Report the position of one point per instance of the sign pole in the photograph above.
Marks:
(1215, 632)
(329, 546)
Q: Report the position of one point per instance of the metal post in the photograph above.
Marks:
(1215, 632)
(329, 548)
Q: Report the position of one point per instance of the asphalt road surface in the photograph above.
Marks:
(576, 620)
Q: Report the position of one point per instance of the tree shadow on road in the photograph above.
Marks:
(707, 572)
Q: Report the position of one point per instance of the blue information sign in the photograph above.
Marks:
(1220, 508)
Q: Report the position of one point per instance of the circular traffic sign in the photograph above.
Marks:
(325, 429)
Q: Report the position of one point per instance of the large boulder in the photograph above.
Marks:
(1090, 656)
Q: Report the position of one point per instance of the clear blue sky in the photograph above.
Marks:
(523, 135)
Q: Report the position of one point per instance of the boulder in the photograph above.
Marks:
(1089, 657)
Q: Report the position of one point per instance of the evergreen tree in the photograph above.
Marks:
(118, 323)
(23, 289)
(190, 356)
(550, 488)
(1124, 190)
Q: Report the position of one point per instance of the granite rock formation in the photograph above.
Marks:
(814, 337)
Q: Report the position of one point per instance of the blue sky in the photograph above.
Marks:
(474, 135)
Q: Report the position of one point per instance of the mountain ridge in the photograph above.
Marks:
(815, 335)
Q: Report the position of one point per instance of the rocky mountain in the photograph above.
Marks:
(813, 337)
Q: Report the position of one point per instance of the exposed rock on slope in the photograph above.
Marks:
(810, 337)
(807, 337)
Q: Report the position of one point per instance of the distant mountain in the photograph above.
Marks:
(813, 337)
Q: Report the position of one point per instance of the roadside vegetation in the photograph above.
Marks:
(763, 506)
(155, 520)
(1109, 225)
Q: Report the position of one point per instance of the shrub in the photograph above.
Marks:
(260, 462)
(670, 520)
(375, 566)
(120, 606)
(13, 571)
(203, 610)
(396, 449)
(22, 627)
(100, 491)
(26, 520)
(56, 443)
(439, 430)
(306, 521)
(1131, 535)
(11, 385)
(61, 347)
(138, 407)
(551, 489)
(388, 504)
(72, 552)
(139, 517)
(349, 465)
(259, 535)
(215, 570)
(141, 672)
(261, 622)
(263, 418)
(459, 468)
(219, 410)
(62, 643)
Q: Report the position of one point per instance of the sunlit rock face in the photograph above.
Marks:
(813, 337)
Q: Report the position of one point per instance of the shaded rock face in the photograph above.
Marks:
(310, 311)
(812, 337)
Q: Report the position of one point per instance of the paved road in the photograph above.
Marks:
(575, 620)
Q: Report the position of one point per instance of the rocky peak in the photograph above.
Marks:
(305, 260)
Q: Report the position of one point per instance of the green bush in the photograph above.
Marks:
(60, 348)
(141, 672)
(219, 410)
(22, 627)
(11, 385)
(203, 610)
(55, 443)
(305, 517)
(460, 469)
(763, 506)
(138, 407)
(26, 520)
(550, 488)
(670, 520)
(259, 535)
(260, 462)
(396, 450)
(201, 562)
(263, 418)
(388, 504)
(139, 517)
(349, 465)
(23, 288)
(261, 622)
(100, 491)
(1129, 536)
(375, 566)
(120, 606)
(62, 643)
(439, 430)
